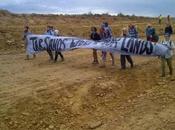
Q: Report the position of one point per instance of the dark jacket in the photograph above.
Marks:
(95, 36)
(169, 30)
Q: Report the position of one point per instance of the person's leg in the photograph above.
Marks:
(163, 66)
(104, 58)
(27, 57)
(112, 57)
(50, 54)
(95, 56)
(123, 61)
(170, 66)
(25, 46)
(61, 55)
(56, 56)
(128, 57)
(34, 55)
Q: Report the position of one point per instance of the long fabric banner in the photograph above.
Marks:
(127, 46)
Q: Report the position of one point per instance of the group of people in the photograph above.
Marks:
(50, 31)
(131, 32)
(168, 19)
(105, 32)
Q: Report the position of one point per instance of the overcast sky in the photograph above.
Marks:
(137, 7)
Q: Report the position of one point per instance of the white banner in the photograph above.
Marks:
(128, 46)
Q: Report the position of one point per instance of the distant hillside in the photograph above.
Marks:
(12, 25)
(5, 13)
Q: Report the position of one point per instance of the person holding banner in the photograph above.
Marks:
(123, 58)
(168, 56)
(132, 31)
(148, 32)
(106, 33)
(26, 33)
(96, 37)
(51, 32)
(152, 36)
(56, 32)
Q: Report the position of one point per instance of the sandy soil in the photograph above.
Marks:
(76, 95)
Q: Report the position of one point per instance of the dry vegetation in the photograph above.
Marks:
(75, 95)
(11, 25)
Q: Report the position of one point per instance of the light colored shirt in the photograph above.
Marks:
(26, 34)
(170, 45)
(50, 32)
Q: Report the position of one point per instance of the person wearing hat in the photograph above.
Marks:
(167, 58)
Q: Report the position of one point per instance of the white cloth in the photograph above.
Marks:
(170, 45)
(126, 46)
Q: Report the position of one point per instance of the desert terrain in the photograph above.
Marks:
(75, 95)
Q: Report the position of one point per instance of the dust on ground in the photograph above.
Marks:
(76, 95)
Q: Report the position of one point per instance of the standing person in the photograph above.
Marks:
(96, 37)
(132, 31)
(169, 19)
(168, 57)
(26, 33)
(56, 32)
(106, 33)
(51, 32)
(148, 31)
(168, 29)
(154, 36)
(123, 58)
(160, 19)
(151, 34)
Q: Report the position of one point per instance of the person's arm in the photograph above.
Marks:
(146, 32)
(98, 37)
(110, 32)
(136, 33)
(91, 36)
(173, 47)
(171, 29)
(24, 36)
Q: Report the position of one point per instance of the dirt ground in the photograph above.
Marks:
(76, 95)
